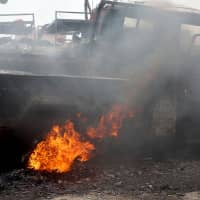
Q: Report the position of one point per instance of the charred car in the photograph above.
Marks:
(140, 55)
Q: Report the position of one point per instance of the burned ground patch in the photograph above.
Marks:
(131, 180)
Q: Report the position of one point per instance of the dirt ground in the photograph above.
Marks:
(141, 179)
(143, 196)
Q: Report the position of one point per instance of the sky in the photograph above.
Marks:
(44, 9)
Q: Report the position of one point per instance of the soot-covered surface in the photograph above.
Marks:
(144, 179)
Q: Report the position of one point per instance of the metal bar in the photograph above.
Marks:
(11, 22)
(55, 36)
(22, 14)
(18, 14)
(119, 3)
(69, 12)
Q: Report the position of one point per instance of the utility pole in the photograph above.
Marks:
(87, 9)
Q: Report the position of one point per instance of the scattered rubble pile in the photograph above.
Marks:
(130, 178)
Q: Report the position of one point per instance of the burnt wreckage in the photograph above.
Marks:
(134, 56)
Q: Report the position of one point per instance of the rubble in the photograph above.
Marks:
(139, 179)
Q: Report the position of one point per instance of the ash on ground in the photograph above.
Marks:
(144, 179)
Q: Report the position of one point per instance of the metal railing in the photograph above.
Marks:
(12, 24)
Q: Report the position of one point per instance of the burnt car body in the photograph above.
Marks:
(147, 68)
(153, 46)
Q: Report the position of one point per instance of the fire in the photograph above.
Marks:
(110, 124)
(59, 150)
(63, 144)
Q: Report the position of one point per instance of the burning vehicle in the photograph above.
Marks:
(136, 78)
(92, 119)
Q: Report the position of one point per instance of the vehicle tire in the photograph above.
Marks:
(162, 126)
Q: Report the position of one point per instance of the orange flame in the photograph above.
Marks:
(59, 150)
(110, 124)
(63, 144)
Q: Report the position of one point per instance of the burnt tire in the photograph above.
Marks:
(163, 127)
(164, 117)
